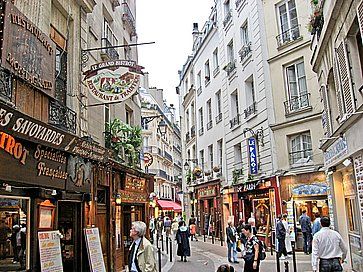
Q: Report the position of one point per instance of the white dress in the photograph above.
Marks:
(288, 237)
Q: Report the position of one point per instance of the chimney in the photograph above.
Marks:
(195, 32)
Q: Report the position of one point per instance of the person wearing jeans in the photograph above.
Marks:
(231, 234)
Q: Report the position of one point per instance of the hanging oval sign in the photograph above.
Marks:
(148, 159)
(113, 81)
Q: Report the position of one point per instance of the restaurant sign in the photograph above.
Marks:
(113, 81)
(207, 191)
(252, 155)
(336, 151)
(27, 52)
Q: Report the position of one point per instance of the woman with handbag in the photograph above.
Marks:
(252, 248)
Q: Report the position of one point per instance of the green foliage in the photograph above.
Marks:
(123, 138)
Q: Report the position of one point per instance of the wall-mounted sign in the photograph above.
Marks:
(335, 151)
(209, 191)
(79, 175)
(50, 251)
(132, 197)
(27, 52)
(38, 165)
(133, 183)
(148, 159)
(252, 155)
(113, 81)
(87, 149)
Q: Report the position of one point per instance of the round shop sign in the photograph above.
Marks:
(113, 81)
(148, 159)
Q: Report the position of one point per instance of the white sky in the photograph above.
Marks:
(168, 23)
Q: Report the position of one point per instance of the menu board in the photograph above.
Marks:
(290, 218)
(50, 251)
(358, 169)
(94, 250)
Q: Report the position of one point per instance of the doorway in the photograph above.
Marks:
(14, 233)
(69, 225)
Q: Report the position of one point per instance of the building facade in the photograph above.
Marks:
(337, 61)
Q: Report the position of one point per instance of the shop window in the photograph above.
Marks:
(352, 213)
(101, 196)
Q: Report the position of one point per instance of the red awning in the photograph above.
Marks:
(169, 205)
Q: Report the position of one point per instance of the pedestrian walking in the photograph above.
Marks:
(328, 248)
(167, 226)
(288, 232)
(241, 237)
(141, 255)
(182, 238)
(252, 222)
(281, 236)
(174, 227)
(225, 268)
(152, 228)
(316, 224)
(159, 227)
(251, 257)
(231, 234)
(305, 223)
(21, 246)
(16, 229)
(193, 228)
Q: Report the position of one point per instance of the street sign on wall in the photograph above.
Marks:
(252, 155)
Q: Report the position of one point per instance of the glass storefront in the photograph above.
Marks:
(14, 237)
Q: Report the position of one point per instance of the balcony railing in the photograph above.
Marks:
(62, 116)
(6, 89)
(218, 118)
(128, 18)
(235, 121)
(192, 131)
(227, 18)
(301, 158)
(289, 35)
(297, 103)
(230, 67)
(245, 51)
(209, 125)
(215, 71)
(250, 110)
(239, 3)
(199, 91)
(168, 156)
(111, 52)
(201, 131)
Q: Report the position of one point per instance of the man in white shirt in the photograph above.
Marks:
(329, 248)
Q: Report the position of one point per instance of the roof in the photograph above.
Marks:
(169, 205)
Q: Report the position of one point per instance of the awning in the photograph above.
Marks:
(169, 205)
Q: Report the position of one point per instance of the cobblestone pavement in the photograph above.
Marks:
(207, 257)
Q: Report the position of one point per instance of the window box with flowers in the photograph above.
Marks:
(316, 20)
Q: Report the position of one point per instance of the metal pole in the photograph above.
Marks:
(221, 236)
(277, 259)
(159, 259)
(167, 244)
(204, 236)
(293, 244)
(212, 238)
(171, 250)
(162, 242)
(157, 240)
(286, 266)
(293, 256)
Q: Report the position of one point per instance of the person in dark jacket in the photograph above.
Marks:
(231, 234)
(281, 236)
(16, 229)
(305, 223)
(182, 238)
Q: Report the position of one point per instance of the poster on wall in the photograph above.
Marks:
(94, 250)
(50, 251)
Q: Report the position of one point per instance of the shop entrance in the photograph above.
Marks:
(69, 224)
(14, 237)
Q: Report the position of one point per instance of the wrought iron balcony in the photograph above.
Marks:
(215, 71)
(297, 103)
(192, 131)
(199, 91)
(245, 51)
(239, 3)
(6, 88)
(111, 52)
(163, 174)
(235, 121)
(209, 125)
(201, 131)
(218, 118)
(62, 116)
(128, 18)
(230, 67)
(187, 136)
(227, 18)
(301, 158)
(250, 110)
(289, 35)
(168, 156)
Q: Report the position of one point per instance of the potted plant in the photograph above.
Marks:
(216, 168)
(207, 173)
(197, 172)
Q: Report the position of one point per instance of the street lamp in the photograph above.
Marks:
(258, 134)
(186, 164)
(162, 126)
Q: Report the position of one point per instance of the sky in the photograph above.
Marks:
(168, 23)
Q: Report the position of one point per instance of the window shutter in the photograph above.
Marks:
(338, 89)
(360, 17)
(345, 77)
(326, 118)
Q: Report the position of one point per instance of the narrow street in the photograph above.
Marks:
(208, 257)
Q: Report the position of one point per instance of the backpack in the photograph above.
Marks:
(261, 250)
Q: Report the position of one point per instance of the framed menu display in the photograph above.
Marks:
(94, 250)
(50, 251)
(46, 215)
